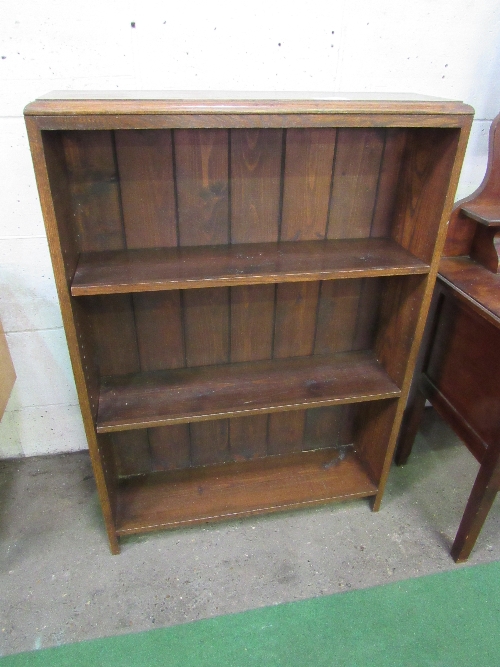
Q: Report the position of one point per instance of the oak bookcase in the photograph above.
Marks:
(244, 281)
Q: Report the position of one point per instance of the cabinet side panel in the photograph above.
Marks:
(423, 188)
(256, 166)
(201, 159)
(146, 169)
(374, 427)
(355, 180)
(399, 316)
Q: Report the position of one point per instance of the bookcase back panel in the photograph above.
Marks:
(160, 330)
(162, 188)
(224, 440)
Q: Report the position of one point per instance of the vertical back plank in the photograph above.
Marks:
(307, 182)
(355, 179)
(145, 164)
(201, 168)
(255, 185)
(256, 158)
(201, 163)
(395, 140)
(306, 194)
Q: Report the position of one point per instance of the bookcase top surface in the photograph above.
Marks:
(224, 102)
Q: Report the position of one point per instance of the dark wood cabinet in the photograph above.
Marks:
(244, 283)
(459, 364)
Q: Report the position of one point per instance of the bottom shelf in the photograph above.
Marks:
(169, 499)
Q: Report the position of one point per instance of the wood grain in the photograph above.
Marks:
(239, 489)
(355, 178)
(118, 272)
(185, 395)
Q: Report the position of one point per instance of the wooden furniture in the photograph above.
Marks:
(7, 372)
(244, 283)
(459, 365)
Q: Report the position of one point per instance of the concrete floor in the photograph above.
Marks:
(59, 583)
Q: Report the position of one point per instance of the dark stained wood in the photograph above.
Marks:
(481, 206)
(458, 368)
(487, 213)
(388, 183)
(94, 187)
(475, 284)
(397, 324)
(54, 191)
(295, 326)
(160, 269)
(355, 178)
(201, 163)
(255, 185)
(239, 489)
(256, 166)
(481, 499)
(325, 427)
(210, 392)
(92, 169)
(470, 385)
(176, 185)
(423, 189)
(145, 165)
(202, 179)
(307, 183)
(109, 315)
(458, 374)
(337, 316)
(147, 189)
(486, 247)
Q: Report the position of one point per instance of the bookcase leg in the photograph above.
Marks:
(114, 543)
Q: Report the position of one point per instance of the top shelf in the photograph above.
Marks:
(155, 269)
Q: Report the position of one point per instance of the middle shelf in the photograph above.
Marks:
(145, 400)
(154, 269)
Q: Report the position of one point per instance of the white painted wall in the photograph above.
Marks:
(447, 48)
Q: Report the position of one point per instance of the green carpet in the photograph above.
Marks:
(441, 620)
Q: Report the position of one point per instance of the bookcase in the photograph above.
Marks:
(244, 280)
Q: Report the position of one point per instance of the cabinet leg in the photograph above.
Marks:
(480, 501)
(114, 543)
(411, 421)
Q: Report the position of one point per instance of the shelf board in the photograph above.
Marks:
(233, 490)
(487, 213)
(153, 269)
(145, 400)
